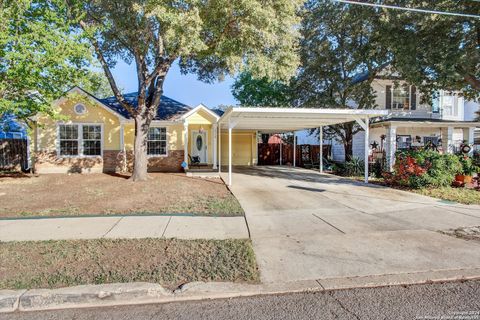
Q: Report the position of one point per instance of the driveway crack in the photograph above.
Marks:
(331, 225)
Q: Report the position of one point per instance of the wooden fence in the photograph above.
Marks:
(269, 154)
(13, 154)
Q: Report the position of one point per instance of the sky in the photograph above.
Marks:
(183, 88)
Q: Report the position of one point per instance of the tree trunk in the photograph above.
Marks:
(140, 160)
(348, 143)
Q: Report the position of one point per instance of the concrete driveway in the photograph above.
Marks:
(305, 226)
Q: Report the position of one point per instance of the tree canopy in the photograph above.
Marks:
(208, 38)
(40, 57)
(434, 51)
(251, 91)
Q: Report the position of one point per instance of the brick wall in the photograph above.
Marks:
(48, 162)
(112, 161)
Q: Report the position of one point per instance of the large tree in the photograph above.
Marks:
(434, 51)
(261, 92)
(340, 57)
(40, 57)
(211, 38)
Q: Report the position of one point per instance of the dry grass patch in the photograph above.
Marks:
(93, 194)
(169, 262)
(460, 195)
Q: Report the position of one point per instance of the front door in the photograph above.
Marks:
(199, 145)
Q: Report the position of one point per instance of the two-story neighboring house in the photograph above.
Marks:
(413, 123)
(446, 123)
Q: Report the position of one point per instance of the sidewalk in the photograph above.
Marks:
(175, 226)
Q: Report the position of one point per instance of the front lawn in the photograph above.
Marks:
(460, 195)
(103, 194)
(54, 264)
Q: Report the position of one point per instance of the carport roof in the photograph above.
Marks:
(291, 119)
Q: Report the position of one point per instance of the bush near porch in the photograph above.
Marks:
(424, 168)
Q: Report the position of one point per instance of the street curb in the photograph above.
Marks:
(148, 293)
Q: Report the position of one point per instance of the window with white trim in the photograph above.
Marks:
(401, 97)
(448, 105)
(68, 136)
(80, 140)
(92, 140)
(157, 141)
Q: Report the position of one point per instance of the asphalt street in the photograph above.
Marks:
(452, 300)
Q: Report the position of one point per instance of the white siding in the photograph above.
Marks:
(470, 108)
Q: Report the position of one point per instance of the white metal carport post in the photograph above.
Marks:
(230, 127)
(219, 148)
(364, 123)
(294, 149)
(320, 155)
(367, 125)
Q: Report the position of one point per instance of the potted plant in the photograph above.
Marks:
(468, 169)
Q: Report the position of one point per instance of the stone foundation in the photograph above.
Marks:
(112, 161)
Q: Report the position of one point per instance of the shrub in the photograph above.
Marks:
(468, 165)
(349, 168)
(354, 167)
(422, 168)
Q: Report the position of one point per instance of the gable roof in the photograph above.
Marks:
(201, 107)
(168, 110)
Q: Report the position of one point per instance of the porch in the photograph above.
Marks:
(391, 135)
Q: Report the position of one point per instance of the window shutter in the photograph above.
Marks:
(413, 99)
(388, 97)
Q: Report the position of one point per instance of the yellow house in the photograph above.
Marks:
(96, 135)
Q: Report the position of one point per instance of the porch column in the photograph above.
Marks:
(214, 145)
(219, 148)
(367, 145)
(450, 145)
(185, 144)
(469, 137)
(229, 155)
(320, 134)
(294, 149)
(390, 146)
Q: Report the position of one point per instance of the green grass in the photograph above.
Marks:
(460, 195)
(169, 262)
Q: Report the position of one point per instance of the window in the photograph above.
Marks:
(68, 140)
(404, 142)
(157, 141)
(430, 141)
(448, 106)
(80, 140)
(80, 108)
(401, 97)
(92, 140)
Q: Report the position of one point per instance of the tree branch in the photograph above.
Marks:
(118, 95)
(472, 80)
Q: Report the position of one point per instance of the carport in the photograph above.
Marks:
(279, 120)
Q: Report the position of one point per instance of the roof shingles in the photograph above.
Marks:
(168, 110)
